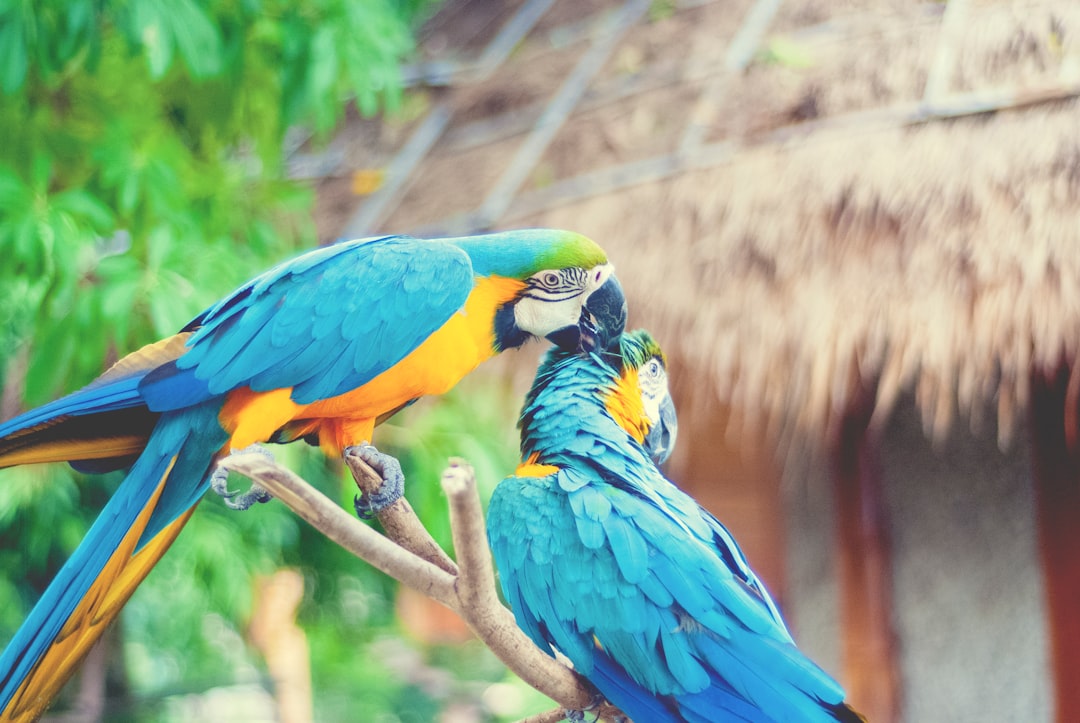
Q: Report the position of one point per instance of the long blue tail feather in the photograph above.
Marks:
(191, 438)
(120, 394)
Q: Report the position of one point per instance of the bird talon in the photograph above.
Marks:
(594, 706)
(370, 504)
(256, 494)
(219, 483)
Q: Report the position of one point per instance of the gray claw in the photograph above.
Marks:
(368, 505)
(239, 500)
(578, 716)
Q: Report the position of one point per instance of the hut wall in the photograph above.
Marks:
(968, 592)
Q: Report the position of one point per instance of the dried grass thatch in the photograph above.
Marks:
(943, 258)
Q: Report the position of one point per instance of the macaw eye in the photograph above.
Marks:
(652, 368)
(551, 279)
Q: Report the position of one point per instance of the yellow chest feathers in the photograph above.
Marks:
(625, 406)
(436, 365)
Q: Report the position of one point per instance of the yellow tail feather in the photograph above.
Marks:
(153, 355)
(34, 445)
(103, 601)
(68, 450)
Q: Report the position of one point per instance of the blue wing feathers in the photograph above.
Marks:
(120, 394)
(630, 550)
(626, 694)
(199, 437)
(653, 589)
(679, 658)
(590, 532)
(324, 323)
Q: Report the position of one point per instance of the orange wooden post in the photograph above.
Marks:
(870, 669)
(739, 484)
(1056, 467)
(283, 643)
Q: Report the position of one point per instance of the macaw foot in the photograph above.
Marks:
(240, 500)
(393, 487)
(578, 716)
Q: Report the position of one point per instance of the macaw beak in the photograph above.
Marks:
(603, 318)
(661, 438)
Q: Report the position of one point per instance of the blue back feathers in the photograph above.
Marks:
(645, 591)
(324, 323)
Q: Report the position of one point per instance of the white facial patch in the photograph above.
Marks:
(597, 276)
(539, 317)
(553, 298)
(653, 382)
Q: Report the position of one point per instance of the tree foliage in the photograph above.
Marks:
(141, 167)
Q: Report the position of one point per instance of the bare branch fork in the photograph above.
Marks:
(410, 555)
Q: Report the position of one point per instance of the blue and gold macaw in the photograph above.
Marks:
(321, 348)
(606, 561)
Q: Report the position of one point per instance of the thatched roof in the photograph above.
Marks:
(944, 258)
(941, 257)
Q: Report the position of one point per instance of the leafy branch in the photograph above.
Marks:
(410, 555)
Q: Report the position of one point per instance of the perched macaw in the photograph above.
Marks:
(607, 562)
(322, 347)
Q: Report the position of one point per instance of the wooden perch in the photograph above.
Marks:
(399, 520)
(410, 555)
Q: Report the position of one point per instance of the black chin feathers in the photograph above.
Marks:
(508, 335)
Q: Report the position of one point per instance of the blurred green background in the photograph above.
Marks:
(141, 178)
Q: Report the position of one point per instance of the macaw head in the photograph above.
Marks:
(567, 291)
(640, 399)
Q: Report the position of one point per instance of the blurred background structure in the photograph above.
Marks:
(854, 227)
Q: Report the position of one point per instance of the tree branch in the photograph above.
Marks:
(476, 585)
(399, 520)
(347, 531)
(412, 557)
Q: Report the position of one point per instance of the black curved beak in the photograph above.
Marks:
(660, 440)
(603, 318)
(568, 338)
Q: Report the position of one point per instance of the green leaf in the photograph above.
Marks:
(196, 38)
(121, 282)
(150, 24)
(14, 54)
(50, 360)
(86, 207)
(28, 247)
(77, 24)
(13, 191)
